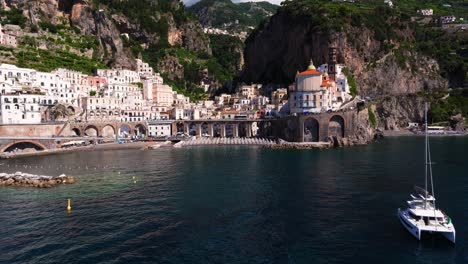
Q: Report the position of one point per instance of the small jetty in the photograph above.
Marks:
(226, 141)
(32, 180)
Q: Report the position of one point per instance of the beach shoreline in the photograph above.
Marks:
(108, 146)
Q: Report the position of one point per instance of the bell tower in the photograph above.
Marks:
(332, 60)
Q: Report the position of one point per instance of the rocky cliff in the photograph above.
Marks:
(396, 112)
(285, 45)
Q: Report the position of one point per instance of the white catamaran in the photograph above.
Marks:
(422, 215)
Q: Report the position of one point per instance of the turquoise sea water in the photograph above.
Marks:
(234, 205)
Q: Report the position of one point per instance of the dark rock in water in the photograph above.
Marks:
(31, 180)
(457, 122)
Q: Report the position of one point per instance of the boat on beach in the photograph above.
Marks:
(422, 215)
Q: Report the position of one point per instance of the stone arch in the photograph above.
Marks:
(311, 130)
(140, 129)
(23, 144)
(243, 127)
(205, 129)
(217, 130)
(76, 131)
(336, 126)
(180, 127)
(192, 129)
(71, 109)
(125, 131)
(229, 130)
(92, 131)
(108, 131)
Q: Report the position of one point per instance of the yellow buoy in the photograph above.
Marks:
(69, 205)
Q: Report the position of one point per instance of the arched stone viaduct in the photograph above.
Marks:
(313, 127)
(8, 145)
(108, 129)
(218, 128)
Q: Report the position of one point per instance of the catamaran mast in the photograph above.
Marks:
(425, 153)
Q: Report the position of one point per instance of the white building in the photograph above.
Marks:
(143, 68)
(160, 128)
(104, 108)
(180, 99)
(11, 74)
(306, 95)
(20, 109)
(162, 95)
(261, 101)
(447, 19)
(177, 113)
(119, 76)
(426, 12)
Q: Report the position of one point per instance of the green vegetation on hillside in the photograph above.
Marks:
(450, 50)
(13, 16)
(227, 49)
(234, 17)
(443, 108)
(372, 118)
(45, 60)
(149, 15)
(351, 81)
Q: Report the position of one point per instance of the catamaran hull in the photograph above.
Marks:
(416, 232)
(450, 236)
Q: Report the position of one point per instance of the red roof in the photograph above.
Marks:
(310, 72)
(327, 83)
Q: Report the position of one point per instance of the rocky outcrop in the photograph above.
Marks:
(171, 66)
(363, 132)
(395, 113)
(457, 122)
(36, 11)
(31, 180)
(276, 51)
(108, 25)
(193, 38)
(96, 22)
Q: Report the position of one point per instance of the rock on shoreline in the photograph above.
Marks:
(31, 180)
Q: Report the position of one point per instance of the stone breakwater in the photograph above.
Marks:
(31, 180)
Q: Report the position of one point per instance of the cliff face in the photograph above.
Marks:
(108, 25)
(92, 22)
(285, 45)
(396, 112)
